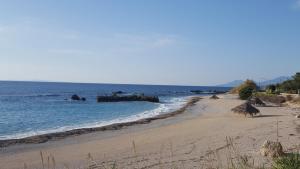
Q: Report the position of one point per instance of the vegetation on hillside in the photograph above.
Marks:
(290, 86)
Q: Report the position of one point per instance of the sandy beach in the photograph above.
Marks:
(193, 139)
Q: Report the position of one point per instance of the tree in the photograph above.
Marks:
(291, 86)
(271, 89)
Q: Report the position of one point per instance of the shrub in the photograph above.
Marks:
(249, 83)
(246, 92)
(271, 89)
(291, 161)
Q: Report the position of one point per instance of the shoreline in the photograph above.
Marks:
(43, 138)
(184, 140)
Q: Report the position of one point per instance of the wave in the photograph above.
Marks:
(167, 106)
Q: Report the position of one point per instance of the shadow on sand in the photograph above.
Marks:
(260, 116)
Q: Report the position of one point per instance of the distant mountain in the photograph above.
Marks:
(263, 83)
(232, 84)
(274, 81)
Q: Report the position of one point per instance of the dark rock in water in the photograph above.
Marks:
(116, 98)
(75, 97)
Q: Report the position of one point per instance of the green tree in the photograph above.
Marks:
(271, 89)
(291, 86)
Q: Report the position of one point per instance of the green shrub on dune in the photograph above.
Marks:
(247, 83)
(245, 90)
(291, 161)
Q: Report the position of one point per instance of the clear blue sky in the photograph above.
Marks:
(185, 42)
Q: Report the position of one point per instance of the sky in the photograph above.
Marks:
(177, 42)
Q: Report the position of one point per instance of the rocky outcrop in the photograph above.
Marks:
(77, 98)
(116, 98)
(271, 149)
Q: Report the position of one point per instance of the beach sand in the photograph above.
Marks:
(193, 139)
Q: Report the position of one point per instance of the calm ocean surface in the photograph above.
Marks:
(32, 108)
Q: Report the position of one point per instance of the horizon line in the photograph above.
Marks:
(107, 83)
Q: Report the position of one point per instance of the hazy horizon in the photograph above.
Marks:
(196, 43)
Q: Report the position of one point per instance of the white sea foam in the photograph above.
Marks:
(166, 107)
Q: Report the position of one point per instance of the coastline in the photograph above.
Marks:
(188, 140)
(43, 138)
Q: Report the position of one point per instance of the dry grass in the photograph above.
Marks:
(212, 160)
(271, 98)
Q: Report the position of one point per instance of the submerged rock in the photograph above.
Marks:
(271, 149)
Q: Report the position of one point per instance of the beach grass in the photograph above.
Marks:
(212, 160)
(290, 161)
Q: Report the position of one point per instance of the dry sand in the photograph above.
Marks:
(193, 139)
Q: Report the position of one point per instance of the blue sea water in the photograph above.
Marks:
(33, 108)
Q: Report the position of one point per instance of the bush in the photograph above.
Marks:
(249, 83)
(291, 161)
(246, 92)
(271, 89)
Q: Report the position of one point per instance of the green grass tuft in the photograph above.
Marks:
(290, 161)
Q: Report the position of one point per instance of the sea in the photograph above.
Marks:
(35, 108)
